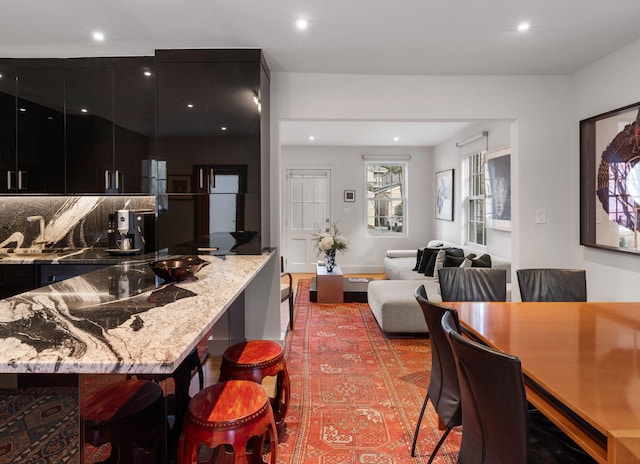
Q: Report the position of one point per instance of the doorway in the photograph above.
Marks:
(307, 210)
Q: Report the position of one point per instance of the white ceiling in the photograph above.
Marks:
(406, 37)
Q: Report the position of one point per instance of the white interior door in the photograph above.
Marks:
(308, 209)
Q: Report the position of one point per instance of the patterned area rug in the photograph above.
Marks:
(39, 425)
(356, 395)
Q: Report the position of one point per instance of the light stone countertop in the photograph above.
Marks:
(119, 319)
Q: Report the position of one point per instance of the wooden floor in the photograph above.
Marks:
(211, 367)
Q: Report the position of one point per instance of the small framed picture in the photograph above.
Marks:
(349, 195)
(179, 187)
(444, 195)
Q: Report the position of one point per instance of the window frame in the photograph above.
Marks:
(381, 231)
(476, 220)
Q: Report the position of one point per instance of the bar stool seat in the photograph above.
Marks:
(129, 414)
(234, 413)
(254, 360)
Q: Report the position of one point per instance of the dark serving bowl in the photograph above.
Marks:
(244, 236)
(177, 269)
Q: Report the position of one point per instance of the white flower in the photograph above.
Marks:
(341, 241)
(326, 243)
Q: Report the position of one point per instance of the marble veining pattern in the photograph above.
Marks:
(120, 319)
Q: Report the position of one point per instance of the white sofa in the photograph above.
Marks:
(393, 302)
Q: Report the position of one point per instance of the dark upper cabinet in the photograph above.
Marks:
(134, 97)
(32, 149)
(210, 122)
(89, 130)
(8, 125)
(110, 124)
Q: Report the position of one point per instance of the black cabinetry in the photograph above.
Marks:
(212, 105)
(17, 278)
(32, 129)
(110, 123)
(79, 125)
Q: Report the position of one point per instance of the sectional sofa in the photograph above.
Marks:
(392, 301)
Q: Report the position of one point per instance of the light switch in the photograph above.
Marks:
(541, 216)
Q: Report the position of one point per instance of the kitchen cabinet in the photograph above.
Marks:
(32, 136)
(17, 278)
(110, 124)
(212, 107)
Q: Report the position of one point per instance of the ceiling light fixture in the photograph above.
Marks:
(522, 27)
(84, 110)
(395, 139)
(312, 138)
(223, 128)
(98, 36)
(189, 105)
(147, 73)
(302, 24)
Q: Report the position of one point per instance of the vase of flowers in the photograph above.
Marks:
(330, 241)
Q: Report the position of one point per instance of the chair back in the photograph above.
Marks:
(473, 284)
(495, 423)
(443, 383)
(552, 284)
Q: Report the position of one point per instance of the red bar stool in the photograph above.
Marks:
(129, 414)
(254, 360)
(233, 413)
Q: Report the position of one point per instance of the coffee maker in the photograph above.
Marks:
(139, 226)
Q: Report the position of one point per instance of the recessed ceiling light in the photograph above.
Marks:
(302, 24)
(395, 139)
(189, 105)
(22, 109)
(312, 138)
(84, 110)
(98, 36)
(522, 27)
(147, 73)
(223, 128)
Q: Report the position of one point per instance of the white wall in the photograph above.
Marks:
(603, 86)
(545, 111)
(448, 156)
(541, 137)
(366, 254)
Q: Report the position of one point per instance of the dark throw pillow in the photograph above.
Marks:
(453, 253)
(418, 258)
(428, 259)
(482, 261)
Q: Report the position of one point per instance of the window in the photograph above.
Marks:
(475, 201)
(386, 190)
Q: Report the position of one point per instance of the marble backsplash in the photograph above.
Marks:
(70, 221)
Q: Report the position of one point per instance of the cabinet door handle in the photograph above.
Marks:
(212, 178)
(201, 175)
(107, 183)
(20, 179)
(117, 179)
(8, 180)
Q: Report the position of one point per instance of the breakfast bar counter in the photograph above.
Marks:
(122, 318)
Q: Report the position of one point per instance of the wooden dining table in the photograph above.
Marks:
(581, 363)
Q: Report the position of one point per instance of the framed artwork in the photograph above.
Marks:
(444, 195)
(179, 187)
(610, 180)
(349, 195)
(497, 175)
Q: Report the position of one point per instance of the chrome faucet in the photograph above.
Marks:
(40, 241)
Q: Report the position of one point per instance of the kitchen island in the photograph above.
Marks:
(124, 320)
(120, 319)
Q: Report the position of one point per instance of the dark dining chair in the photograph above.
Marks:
(473, 284)
(497, 424)
(552, 284)
(286, 290)
(443, 390)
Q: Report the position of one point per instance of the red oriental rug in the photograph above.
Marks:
(355, 395)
